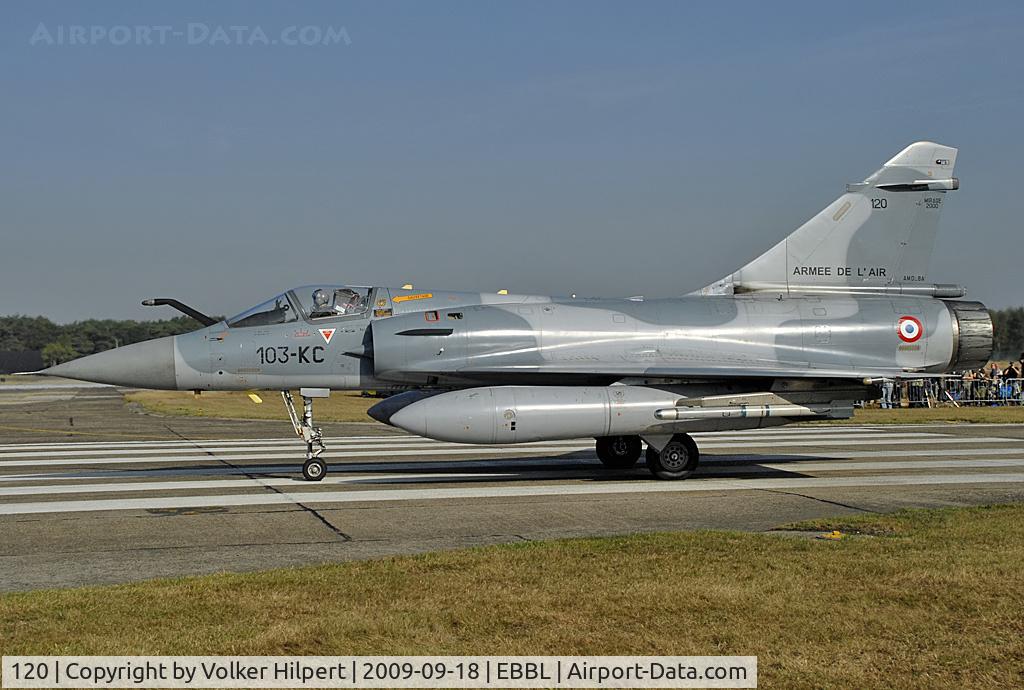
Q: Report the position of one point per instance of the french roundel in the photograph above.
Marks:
(909, 329)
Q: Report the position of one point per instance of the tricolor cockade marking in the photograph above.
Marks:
(909, 329)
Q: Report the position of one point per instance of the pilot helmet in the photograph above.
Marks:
(320, 298)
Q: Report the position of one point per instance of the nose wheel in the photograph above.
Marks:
(314, 469)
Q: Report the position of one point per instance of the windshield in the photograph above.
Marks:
(277, 310)
(322, 302)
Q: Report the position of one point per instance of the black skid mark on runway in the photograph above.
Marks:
(250, 475)
(821, 500)
(170, 512)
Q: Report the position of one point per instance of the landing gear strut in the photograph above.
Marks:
(314, 468)
(677, 460)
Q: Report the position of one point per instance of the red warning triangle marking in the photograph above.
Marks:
(327, 334)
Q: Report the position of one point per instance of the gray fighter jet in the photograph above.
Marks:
(801, 332)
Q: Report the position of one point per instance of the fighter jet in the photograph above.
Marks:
(799, 333)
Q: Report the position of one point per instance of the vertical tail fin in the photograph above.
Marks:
(876, 238)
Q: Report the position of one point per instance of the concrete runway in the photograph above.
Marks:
(93, 492)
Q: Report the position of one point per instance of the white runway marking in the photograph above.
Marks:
(400, 438)
(377, 496)
(385, 451)
(406, 463)
(292, 469)
(296, 455)
(221, 484)
(423, 443)
(344, 477)
(587, 463)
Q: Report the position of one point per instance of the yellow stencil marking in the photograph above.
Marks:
(409, 298)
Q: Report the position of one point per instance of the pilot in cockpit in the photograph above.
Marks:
(321, 304)
(346, 301)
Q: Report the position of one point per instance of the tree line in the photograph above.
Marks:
(1009, 332)
(63, 342)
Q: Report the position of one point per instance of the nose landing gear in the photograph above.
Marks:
(314, 468)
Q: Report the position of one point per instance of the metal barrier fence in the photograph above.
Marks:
(955, 391)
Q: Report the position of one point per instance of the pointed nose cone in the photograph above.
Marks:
(412, 421)
(386, 409)
(148, 364)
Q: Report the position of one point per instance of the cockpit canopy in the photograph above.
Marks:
(322, 302)
(310, 302)
(274, 311)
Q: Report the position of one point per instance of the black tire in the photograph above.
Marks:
(677, 460)
(619, 452)
(314, 470)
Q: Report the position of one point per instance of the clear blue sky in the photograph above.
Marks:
(596, 148)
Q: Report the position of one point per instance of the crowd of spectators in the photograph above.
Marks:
(991, 385)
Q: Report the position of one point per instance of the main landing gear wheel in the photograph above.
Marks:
(619, 452)
(677, 460)
(314, 470)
